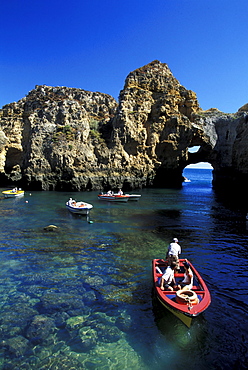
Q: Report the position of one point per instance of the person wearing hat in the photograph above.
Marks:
(173, 252)
(187, 282)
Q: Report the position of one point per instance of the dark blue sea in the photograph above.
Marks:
(81, 297)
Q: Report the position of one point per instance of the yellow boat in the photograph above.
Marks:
(13, 193)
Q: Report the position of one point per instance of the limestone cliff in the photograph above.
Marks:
(50, 139)
(71, 139)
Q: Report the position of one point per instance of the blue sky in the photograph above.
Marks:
(94, 44)
(204, 165)
(201, 165)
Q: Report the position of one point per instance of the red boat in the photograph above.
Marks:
(185, 304)
(113, 197)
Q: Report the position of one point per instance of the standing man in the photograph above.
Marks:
(173, 252)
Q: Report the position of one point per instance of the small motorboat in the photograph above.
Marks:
(113, 197)
(81, 208)
(13, 193)
(185, 304)
(134, 197)
(185, 179)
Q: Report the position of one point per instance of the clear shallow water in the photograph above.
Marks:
(81, 297)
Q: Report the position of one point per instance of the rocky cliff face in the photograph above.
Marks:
(50, 139)
(59, 138)
(227, 150)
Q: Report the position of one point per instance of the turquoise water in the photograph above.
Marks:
(80, 297)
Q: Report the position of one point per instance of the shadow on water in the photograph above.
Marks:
(178, 336)
(169, 213)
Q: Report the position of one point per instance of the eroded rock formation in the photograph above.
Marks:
(59, 138)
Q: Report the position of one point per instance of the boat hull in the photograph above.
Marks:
(113, 198)
(187, 320)
(11, 194)
(187, 310)
(80, 208)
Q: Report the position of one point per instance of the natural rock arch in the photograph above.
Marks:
(65, 138)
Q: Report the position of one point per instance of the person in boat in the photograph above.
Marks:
(72, 202)
(110, 192)
(187, 282)
(120, 192)
(14, 190)
(168, 281)
(174, 250)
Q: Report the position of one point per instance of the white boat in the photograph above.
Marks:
(14, 193)
(113, 197)
(133, 196)
(81, 208)
(185, 179)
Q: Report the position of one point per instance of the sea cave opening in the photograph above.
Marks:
(198, 165)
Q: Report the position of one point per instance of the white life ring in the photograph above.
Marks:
(186, 297)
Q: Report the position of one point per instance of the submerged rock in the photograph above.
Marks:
(60, 319)
(75, 322)
(124, 322)
(14, 321)
(39, 329)
(108, 333)
(104, 327)
(52, 302)
(61, 362)
(88, 337)
(16, 346)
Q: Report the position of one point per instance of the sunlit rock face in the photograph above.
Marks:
(59, 138)
(154, 123)
(50, 139)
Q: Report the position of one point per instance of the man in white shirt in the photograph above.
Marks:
(168, 279)
(174, 250)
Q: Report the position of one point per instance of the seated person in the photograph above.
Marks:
(168, 279)
(187, 282)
